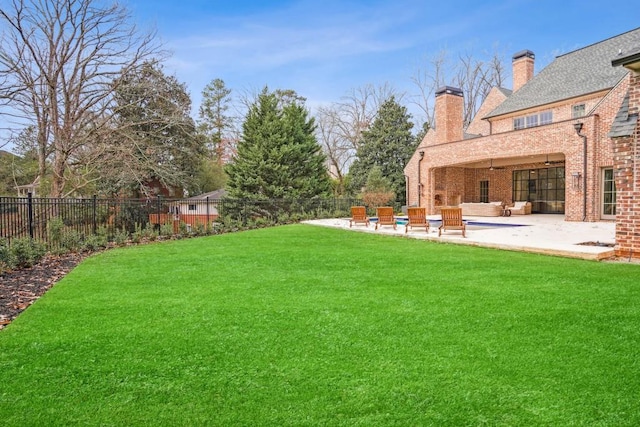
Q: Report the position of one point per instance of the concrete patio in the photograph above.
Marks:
(545, 234)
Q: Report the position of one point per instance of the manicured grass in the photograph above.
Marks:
(307, 326)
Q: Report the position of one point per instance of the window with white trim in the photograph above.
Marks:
(533, 120)
(518, 123)
(546, 117)
(578, 110)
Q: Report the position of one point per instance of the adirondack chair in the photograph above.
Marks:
(385, 217)
(417, 218)
(359, 216)
(452, 220)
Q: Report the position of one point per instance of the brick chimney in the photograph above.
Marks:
(523, 63)
(448, 112)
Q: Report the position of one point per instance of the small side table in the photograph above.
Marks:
(506, 211)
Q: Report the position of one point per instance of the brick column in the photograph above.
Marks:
(627, 170)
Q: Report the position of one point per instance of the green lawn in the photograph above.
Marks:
(308, 326)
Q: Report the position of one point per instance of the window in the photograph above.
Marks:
(533, 120)
(544, 188)
(608, 194)
(546, 117)
(192, 207)
(518, 123)
(577, 111)
(484, 191)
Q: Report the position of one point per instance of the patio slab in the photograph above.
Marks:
(545, 234)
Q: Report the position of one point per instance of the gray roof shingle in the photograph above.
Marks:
(573, 74)
(624, 124)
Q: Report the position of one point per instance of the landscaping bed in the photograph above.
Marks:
(20, 288)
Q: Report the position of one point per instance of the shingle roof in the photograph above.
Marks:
(573, 74)
(212, 195)
(624, 58)
(624, 124)
(505, 91)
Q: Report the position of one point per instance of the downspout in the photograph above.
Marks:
(406, 189)
(578, 128)
(420, 178)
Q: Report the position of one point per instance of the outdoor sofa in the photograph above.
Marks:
(520, 208)
(481, 209)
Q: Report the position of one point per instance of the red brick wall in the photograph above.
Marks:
(560, 112)
(448, 117)
(555, 138)
(478, 126)
(627, 174)
(522, 71)
(558, 139)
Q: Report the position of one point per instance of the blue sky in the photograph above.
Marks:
(323, 49)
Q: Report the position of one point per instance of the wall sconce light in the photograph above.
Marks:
(575, 178)
(547, 162)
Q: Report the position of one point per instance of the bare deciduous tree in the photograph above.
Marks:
(338, 150)
(340, 125)
(428, 80)
(359, 107)
(474, 76)
(58, 62)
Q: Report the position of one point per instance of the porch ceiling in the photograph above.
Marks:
(554, 159)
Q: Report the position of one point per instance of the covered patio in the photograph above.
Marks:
(544, 234)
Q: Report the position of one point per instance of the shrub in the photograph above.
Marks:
(97, 241)
(27, 252)
(55, 227)
(198, 229)
(375, 199)
(183, 229)
(166, 229)
(226, 223)
(136, 236)
(7, 259)
(61, 238)
(71, 240)
(378, 189)
(131, 215)
(121, 237)
(149, 232)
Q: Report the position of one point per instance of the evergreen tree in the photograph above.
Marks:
(154, 136)
(278, 155)
(16, 170)
(388, 144)
(214, 121)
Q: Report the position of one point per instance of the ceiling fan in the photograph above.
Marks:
(492, 168)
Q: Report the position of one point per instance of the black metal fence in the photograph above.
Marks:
(35, 217)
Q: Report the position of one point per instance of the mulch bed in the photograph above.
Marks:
(20, 288)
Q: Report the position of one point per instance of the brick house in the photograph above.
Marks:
(547, 141)
(625, 134)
